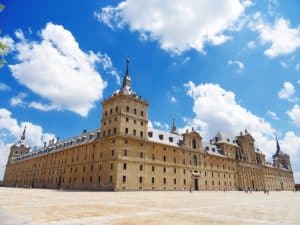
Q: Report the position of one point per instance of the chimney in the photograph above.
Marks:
(45, 144)
(57, 140)
(84, 131)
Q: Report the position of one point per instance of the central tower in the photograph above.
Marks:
(125, 112)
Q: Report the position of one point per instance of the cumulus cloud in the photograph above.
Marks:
(283, 64)
(239, 64)
(18, 100)
(177, 25)
(216, 110)
(173, 99)
(273, 115)
(251, 44)
(287, 91)
(294, 114)
(56, 69)
(4, 87)
(282, 38)
(10, 132)
(107, 65)
(161, 126)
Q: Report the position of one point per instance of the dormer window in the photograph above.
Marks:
(171, 139)
(161, 137)
(150, 134)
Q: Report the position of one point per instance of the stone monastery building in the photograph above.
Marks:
(127, 154)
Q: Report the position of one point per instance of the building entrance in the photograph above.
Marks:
(196, 183)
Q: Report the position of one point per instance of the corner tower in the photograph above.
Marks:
(125, 112)
(18, 149)
(280, 159)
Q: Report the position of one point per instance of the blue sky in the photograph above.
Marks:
(211, 65)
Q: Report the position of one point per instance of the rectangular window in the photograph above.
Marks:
(165, 169)
(153, 180)
(184, 181)
(124, 179)
(124, 166)
(153, 157)
(127, 108)
(175, 181)
(153, 168)
(126, 130)
(142, 134)
(165, 180)
(112, 152)
(141, 180)
(134, 111)
(110, 179)
(125, 152)
(141, 155)
(141, 167)
(142, 113)
(134, 132)
(111, 166)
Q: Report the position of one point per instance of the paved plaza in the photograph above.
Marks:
(40, 206)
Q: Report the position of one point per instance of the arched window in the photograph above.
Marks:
(194, 145)
(195, 160)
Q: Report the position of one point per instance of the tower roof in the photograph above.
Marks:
(278, 150)
(22, 139)
(174, 128)
(126, 84)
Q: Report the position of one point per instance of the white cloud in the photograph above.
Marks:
(239, 64)
(294, 114)
(217, 110)
(177, 25)
(186, 60)
(159, 125)
(10, 132)
(272, 7)
(273, 115)
(282, 38)
(107, 65)
(173, 99)
(251, 44)
(297, 67)
(18, 100)
(4, 87)
(287, 91)
(41, 106)
(56, 69)
(283, 64)
(20, 35)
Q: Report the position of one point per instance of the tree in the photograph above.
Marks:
(3, 47)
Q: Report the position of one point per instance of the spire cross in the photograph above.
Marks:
(127, 66)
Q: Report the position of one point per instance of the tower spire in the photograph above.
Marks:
(174, 128)
(126, 85)
(127, 65)
(278, 150)
(22, 139)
